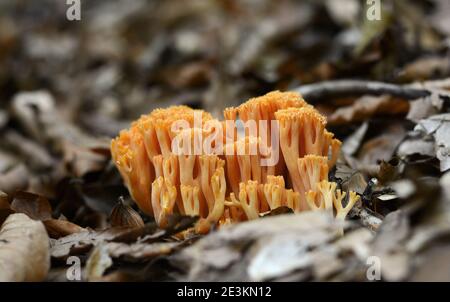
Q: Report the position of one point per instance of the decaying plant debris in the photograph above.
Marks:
(68, 88)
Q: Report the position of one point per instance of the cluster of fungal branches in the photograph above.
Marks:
(232, 185)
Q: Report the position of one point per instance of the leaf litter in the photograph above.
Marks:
(58, 113)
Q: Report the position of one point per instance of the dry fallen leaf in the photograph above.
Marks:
(438, 126)
(4, 204)
(425, 68)
(381, 147)
(425, 107)
(57, 228)
(244, 250)
(279, 255)
(35, 206)
(140, 251)
(24, 249)
(389, 246)
(98, 262)
(368, 106)
(81, 242)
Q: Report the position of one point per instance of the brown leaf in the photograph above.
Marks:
(279, 211)
(35, 206)
(425, 68)
(368, 106)
(383, 146)
(177, 224)
(4, 204)
(57, 228)
(350, 178)
(81, 160)
(5, 209)
(388, 171)
(83, 241)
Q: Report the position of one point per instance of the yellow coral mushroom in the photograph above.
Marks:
(341, 211)
(128, 153)
(302, 132)
(191, 203)
(263, 108)
(164, 195)
(163, 180)
(247, 199)
(245, 163)
(219, 187)
(277, 195)
(328, 196)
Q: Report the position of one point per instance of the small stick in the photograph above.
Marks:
(342, 88)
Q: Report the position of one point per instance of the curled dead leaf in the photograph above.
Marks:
(98, 262)
(57, 228)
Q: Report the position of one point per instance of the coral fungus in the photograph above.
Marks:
(282, 158)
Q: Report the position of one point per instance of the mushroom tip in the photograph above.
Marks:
(278, 98)
(300, 114)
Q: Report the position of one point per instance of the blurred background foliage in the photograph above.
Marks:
(125, 58)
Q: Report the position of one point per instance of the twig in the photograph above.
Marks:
(342, 88)
(367, 218)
